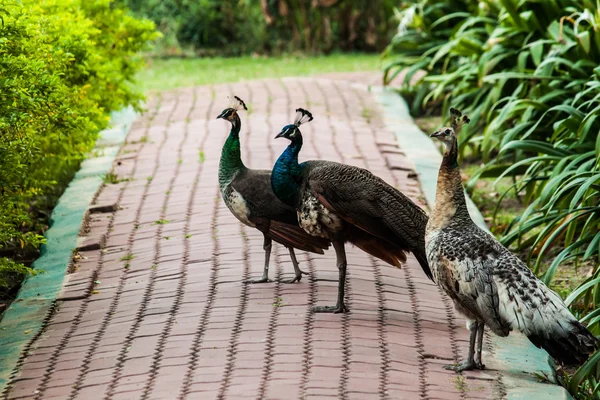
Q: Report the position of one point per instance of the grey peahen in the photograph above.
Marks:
(250, 198)
(489, 284)
(343, 203)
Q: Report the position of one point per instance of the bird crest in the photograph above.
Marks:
(458, 119)
(238, 104)
(302, 116)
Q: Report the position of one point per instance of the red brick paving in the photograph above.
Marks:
(160, 311)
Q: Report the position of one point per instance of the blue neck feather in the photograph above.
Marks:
(287, 174)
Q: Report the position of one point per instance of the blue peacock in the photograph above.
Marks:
(343, 203)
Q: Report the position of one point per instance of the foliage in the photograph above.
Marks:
(228, 27)
(64, 65)
(170, 73)
(324, 25)
(234, 27)
(527, 73)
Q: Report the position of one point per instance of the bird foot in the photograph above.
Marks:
(464, 366)
(264, 279)
(296, 278)
(331, 309)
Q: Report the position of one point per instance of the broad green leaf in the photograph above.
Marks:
(574, 295)
(519, 75)
(536, 51)
(584, 41)
(583, 189)
(534, 146)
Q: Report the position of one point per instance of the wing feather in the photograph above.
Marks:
(497, 287)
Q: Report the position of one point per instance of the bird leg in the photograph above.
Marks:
(265, 275)
(340, 307)
(480, 328)
(297, 271)
(470, 363)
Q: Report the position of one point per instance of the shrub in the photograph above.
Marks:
(64, 65)
(527, 73)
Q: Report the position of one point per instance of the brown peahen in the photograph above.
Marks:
(248, 195)
(343, 203)
(489, 284)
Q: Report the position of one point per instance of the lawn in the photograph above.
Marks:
(164, 74)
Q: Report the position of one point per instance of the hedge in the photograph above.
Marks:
(64, 66)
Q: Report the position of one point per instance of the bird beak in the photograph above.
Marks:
(280, 134)
(435, 134)
(220, 116)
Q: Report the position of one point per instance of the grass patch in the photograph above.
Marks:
(113, 179)
(127, 257)
(166, 74)
(278, 302)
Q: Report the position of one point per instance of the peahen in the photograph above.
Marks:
(343, 203)
(489, 284)
(248, 195)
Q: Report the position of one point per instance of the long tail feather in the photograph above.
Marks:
(385, 251)
(570, 346)
(395, 259)
(294, 236)
(422, 259)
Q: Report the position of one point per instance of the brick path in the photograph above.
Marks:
(160, 311)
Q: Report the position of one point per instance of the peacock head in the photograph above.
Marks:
(230, 113)
(448, 134)
(292, 131)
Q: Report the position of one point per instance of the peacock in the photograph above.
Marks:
(343, 203)
(488, 284)
(248, 195)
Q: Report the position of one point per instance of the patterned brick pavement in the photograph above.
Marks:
(155, 307)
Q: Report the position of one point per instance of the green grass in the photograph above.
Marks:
(128, 257)
(165, 74)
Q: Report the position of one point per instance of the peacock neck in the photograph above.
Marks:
(231, 159)
(286, 176)
(450, 203)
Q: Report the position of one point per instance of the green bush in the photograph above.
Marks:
(527, 73)
(64, 65)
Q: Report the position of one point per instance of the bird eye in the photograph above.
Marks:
(447, 132)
